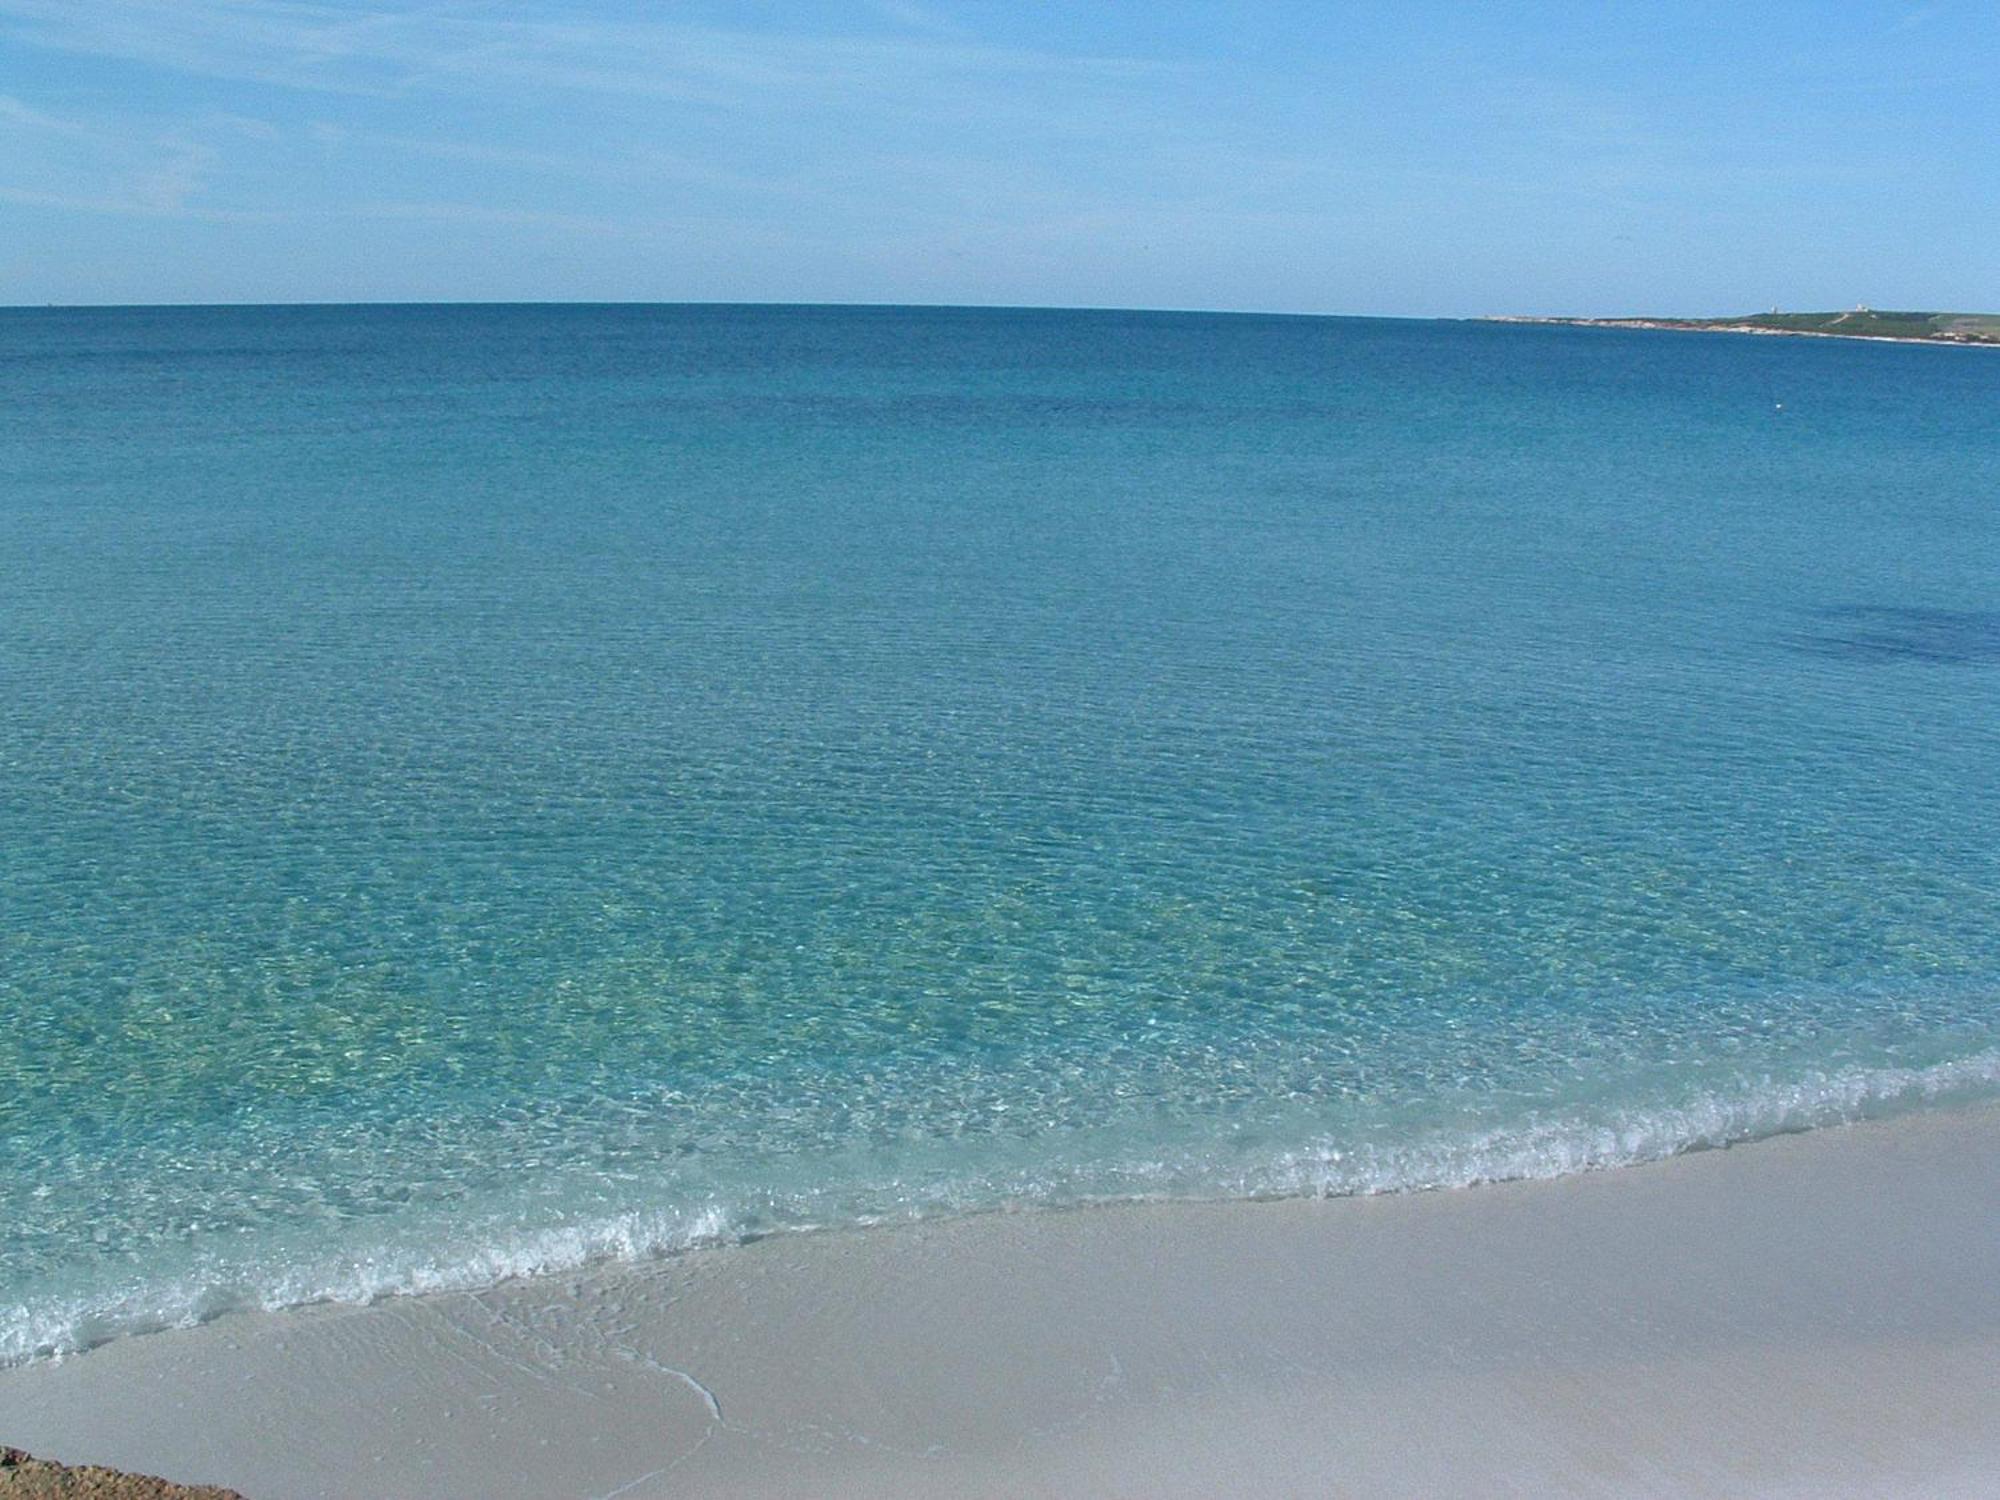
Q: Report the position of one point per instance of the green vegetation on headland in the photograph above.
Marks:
(1860, 323)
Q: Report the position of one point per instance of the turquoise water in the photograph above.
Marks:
(487, 788)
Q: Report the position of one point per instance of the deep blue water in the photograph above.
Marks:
(482, 788)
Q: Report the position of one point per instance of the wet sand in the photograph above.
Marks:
(1816, 1315)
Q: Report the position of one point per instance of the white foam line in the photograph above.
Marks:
(1537, 1149)
(630, 1485)
(707, 1396)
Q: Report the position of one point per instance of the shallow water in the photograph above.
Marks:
(482, 788)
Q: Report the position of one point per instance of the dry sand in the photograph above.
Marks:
(1812, 1316)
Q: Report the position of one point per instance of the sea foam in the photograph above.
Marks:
(1536, 1149)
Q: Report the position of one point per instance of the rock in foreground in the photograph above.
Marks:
(22, 1476)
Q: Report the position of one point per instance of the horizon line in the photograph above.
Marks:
(636, 302)
(853, 305)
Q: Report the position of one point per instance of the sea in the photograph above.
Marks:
(486, 790)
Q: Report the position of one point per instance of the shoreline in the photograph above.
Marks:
(1672, 325)
(1534, 1150)
(1815, 1313)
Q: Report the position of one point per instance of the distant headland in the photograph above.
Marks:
(1859, 323)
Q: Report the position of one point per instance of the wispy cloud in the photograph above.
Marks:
(743, 112)
(21, 116)
(102, 165)
(443, 212)
(320, 47)
(168, 186)
(693, 122)
(867, 146)
(629, 162)
(915, 17)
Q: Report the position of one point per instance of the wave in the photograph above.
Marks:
(1536, 1148)
(1563, 1147)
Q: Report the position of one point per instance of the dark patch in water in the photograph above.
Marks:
(1888, 632)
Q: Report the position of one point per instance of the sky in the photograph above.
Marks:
(1412, 158)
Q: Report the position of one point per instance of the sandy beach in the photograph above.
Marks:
(1812, 1315)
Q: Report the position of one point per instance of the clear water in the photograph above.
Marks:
(485, 788)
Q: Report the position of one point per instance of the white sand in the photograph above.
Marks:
(1813, 1316)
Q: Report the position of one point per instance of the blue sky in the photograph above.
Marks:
(1400, 158)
